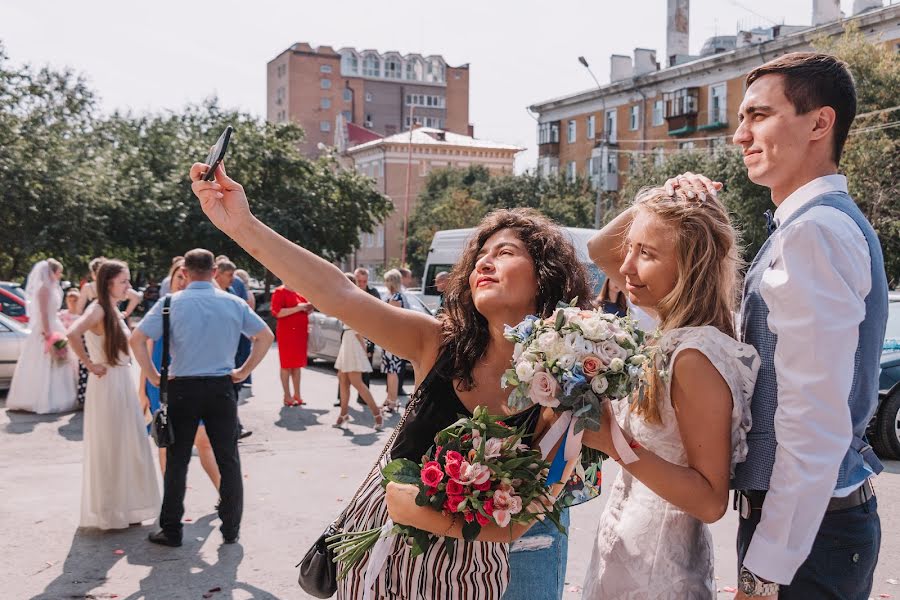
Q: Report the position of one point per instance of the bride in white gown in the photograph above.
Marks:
(120, 486)
(42, 384)
(677, 257)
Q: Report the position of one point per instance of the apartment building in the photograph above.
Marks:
(400, 164)
(382, 92)
(690, 102)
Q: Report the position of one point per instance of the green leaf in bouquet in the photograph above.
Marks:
(402, 470)
(471, 530)
(421, 498)
(560, 320)
(421, 541)
(584, 409)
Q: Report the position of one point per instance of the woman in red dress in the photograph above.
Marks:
(292, 311)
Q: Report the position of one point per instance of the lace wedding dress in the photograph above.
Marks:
(646, 548)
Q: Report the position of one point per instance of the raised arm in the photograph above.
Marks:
(405, 333)
(607, 247)
(134, 298)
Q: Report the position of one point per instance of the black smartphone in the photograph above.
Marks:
(217, 154)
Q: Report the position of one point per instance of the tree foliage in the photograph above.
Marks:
(76, 185)
(460, 198)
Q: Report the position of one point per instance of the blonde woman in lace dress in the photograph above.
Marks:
(676, 256)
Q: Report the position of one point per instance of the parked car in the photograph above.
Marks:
(13, 305)
(15, 288)
(884, 430)
(325, 332)
(12, 338)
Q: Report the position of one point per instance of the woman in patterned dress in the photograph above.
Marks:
(517, 263)
(391, 364)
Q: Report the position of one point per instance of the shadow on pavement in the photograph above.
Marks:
(174, 572)
(74, 429)
(25, 422)
(297, 418)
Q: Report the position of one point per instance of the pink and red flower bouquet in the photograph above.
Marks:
(478, 470)
(57, 346)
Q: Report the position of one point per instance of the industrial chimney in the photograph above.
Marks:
(826, 11)
(677, 31)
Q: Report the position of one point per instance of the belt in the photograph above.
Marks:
(746, 501)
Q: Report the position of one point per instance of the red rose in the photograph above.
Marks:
(482, 520)
(431, 491)
(488, 506)
(483, 487)
(452, 463)
(452, 503)
(454, 488)
(469, 516)
(432, 474)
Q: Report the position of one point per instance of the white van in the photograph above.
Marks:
(447, 246)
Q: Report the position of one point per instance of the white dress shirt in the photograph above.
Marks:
(815, 289)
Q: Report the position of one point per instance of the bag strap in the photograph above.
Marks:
(164, 366)
(414, 403)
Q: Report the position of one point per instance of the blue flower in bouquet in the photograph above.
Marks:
(572, 379)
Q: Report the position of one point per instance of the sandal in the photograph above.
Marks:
(287, 401)
(341, 420)
(389, 406)
(379, 422)
(298, 401)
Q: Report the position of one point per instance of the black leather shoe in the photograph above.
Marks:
(162, 539)
(245, 433)
(231, 540)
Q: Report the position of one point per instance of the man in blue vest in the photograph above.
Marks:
(205, 325)
(815, 308)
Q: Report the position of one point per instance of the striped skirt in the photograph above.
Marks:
(477, 570)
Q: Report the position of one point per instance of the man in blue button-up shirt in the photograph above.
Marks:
(205, 325)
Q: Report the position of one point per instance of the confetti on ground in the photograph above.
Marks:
(189, 520)
(199, 539)
(216, 589)
(575, 588)
(119, 552)
(884, 595)
(893, 581)
(340, 499)
(729, 590)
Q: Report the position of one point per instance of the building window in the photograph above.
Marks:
(369, 123)
(392, 69)
(348, 95)
(349, 64)
(369, 96)
(325, 103)
(689, 145)
(717, 104)
(347, 116)
(371, 66)
(659, 156)
(280, 70)
(591, 127)
(635, 120)
(570, 132)
(658, 113)
(681, 102)
(612, 162)
(571, 171)
(279, 95)
(325, 69)
(611, 126)
(548, 133)
(326, 84)
(324, 125)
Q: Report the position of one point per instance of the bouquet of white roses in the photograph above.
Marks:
(572, 361)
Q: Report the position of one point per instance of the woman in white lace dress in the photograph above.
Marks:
(676, 256)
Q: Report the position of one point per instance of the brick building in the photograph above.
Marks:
(414, 154)
(382, 92)
(689, 103)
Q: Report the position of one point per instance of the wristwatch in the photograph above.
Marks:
(751, 585)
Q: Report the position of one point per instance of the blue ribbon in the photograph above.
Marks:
(558, 464)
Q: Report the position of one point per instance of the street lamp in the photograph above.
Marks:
(601, 182)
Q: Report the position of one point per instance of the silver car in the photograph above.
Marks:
(325, 332)
(12, 338)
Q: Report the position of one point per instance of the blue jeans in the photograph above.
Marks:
(842, 561)
(537, 562)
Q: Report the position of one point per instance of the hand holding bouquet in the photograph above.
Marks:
(570, 362)
(479, 471)
(57, 346)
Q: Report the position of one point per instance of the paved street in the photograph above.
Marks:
(298, 472)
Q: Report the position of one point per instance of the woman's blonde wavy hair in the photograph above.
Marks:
(708, 261)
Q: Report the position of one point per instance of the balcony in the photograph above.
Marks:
(682, 107)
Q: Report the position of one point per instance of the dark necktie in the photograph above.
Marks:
(771, 224)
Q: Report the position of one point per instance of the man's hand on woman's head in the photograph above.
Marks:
(222, 200)
(697, 185)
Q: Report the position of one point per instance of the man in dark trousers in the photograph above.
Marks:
(204, 327)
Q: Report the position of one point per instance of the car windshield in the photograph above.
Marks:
(892, 334)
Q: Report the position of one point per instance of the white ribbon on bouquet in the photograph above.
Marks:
(378, 556)
(565, 425)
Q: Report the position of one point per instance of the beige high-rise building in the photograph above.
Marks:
(382, 92)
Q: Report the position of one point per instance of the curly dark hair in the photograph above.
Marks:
(560, 277)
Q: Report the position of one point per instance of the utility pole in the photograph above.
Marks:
(412, 125)
(601, 183)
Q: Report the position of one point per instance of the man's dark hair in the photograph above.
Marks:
(199, 261)
(812, 81)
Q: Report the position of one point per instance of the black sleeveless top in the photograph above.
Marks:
(438, 408)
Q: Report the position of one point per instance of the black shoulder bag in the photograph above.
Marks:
(161, 430)
(318, 569)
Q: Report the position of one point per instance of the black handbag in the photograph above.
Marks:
(318, 569)
(161, 428)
